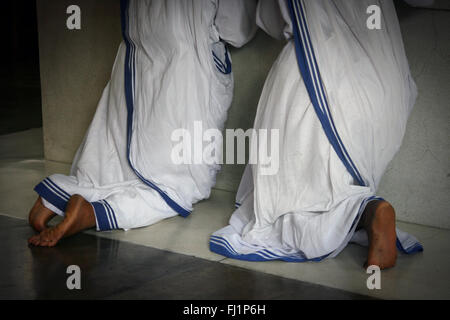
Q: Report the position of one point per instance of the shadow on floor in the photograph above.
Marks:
(112, 269)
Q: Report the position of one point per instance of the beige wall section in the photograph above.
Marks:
(76, 65)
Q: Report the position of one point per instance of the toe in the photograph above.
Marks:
(33, 240)
(52, 243)
(38, 241)
(45, 240)
(30, 239)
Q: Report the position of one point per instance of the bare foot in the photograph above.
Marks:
(39, 216)
(79, 216)
(379, 221)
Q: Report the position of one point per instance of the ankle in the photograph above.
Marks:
(377, 212)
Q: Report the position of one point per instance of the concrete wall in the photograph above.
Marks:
(75, 67)
(417, 181)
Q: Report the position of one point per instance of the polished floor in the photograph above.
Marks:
(112, 269)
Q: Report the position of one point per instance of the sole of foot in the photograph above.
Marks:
(39, 216)
(79, 216)
(380, 226)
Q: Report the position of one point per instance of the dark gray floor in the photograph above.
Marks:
(117, 270)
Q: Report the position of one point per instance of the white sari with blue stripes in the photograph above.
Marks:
(340, 95)
(172, 69)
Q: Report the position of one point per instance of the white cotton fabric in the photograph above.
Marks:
(311, 207)
(175, 82)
